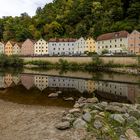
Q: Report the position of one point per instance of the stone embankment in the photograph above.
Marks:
(96, 120)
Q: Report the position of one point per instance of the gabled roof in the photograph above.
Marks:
(114, 35)
(12, 42)
(19, 44)
(62, 40)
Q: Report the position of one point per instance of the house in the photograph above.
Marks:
(8, 50)
(16, 49)
(134, 42)
(27, 48)
(90, 45)
(8, 79)
(61, 46)
(1, 48)
(41, 48)
(115, 42)
(80, 46)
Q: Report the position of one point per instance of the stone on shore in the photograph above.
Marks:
(79, 123)
(118, 118)
(53, 95)
(87, 117)
(63, 125)
(131, 135)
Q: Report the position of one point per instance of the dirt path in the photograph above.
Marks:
(23, 122)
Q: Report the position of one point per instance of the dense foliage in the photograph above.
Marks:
(73, 18)
(10, 61)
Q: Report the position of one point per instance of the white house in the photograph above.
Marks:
(16, 49)
(41, 47)
(1, 48)
(115, 42)
(80, 46)
(61, 46)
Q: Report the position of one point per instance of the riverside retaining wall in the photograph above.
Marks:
(116, 60)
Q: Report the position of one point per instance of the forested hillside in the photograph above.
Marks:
(73, 18)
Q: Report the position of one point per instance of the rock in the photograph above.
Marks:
(131, 135)
(53, 95)
(116, 104)
(77, 105)
(135, 113)
(98, 124)
(105, 129)
(63, 125)
(75, 110)
(93, 112)
(131, 120)
(59, 92)
(122, 137)
(96, 107)
(114, 109)
(138, 123)
(81, 100)
(79, 123)
(126, 115)
(118, 118)
(103, 105)
(102, 114)
(69, 117)
(92, 100)
(87, 117)
(69, 99)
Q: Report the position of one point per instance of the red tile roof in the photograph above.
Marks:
(114, 35)
(62, 40)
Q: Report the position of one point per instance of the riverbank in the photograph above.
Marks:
(29, 122)
(103, 120)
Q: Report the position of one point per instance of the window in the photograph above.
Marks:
(121, 39)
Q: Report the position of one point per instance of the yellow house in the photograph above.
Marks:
(8, 50)
(90, 45)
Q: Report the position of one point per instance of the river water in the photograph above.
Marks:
(32, 87)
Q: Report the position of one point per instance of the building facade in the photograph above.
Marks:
(90, 45)
(80, 46)
(41, 48)
(27, 48)
(8, 50)
(115, 42)
(16, 49)
(1, 48)
(134, 42)
(61, 46)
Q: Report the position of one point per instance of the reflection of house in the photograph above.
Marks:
(112, 88)
(27, 81)
(62, 82)
(63, 46)
(8, 80)
(132, 93)
(41, 82)
(134, 42)
(115, 42)
(90, 45)
(16, 79)
(41, 47)
(90, 84)
(2, 85)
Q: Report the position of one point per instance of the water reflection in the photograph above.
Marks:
(34, 89)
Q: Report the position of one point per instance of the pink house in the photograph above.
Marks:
(134, 42)
(27, 47)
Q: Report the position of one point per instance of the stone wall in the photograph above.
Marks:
(116, 60)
